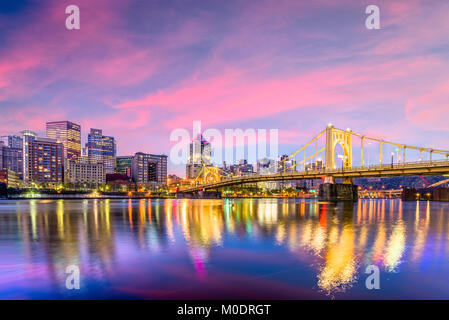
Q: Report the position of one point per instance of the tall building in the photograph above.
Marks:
(286, 164)
(193, 170)
(102, 149)
(123, 165)
(267, 166)
(69, 134)
(27, 139)
(149, 169)
(47, 161)
(243, 168)
(12, 141)
(317, 165)
(85, 172)
(200, 154)
(11, 159)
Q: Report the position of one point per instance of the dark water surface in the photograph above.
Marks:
(268, 248)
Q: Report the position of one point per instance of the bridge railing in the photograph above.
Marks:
(323, 172)
(414, 164)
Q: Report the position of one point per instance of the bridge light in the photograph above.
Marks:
(330, 125)
(348, 129)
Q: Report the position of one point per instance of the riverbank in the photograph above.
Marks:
(103, 197)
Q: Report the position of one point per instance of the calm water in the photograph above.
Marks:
(171, 249)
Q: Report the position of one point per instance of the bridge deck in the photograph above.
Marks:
(435, 167)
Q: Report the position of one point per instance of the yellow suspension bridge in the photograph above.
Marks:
(430, 162)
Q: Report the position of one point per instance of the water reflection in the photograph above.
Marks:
(335, 242)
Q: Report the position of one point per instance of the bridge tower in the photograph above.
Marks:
(344, 138)
(331, 190)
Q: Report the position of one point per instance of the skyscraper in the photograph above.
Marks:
(11, 154)
(267, 166)
(200, 151)
(27, 138)
(149, 169)
(11, 159)
(47, 160)
(69, 134)
(286, 164)
(101, 149)
(12, 141)
(200, 154)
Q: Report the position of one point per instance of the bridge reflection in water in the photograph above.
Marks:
(137, 248)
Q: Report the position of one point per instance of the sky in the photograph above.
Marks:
(141, 69)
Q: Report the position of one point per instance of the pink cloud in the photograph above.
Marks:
(30, 118)
(232, 95)
(430, 108)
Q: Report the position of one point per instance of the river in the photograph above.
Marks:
(230, 248)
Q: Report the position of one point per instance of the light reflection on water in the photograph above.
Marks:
(252, 248)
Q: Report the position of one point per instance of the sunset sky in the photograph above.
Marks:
(139, 69)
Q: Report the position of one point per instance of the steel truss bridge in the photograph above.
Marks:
(211, 178)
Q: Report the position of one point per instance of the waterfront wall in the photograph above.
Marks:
(338, 192)
(433, 194)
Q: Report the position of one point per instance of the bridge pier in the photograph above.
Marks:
(338, 192)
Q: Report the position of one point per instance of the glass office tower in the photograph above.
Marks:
(101, 149)
(69, 134)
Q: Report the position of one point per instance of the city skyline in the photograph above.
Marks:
(144, 70)
(217, 157)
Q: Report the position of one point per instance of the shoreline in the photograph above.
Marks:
(166, 198)
(137, 197)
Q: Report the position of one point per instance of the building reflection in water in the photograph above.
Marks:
(341, 238)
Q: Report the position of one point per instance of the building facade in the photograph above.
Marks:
(149, 169)
(10, 178)
(267, 166)
(200, 154)
(102, 149)
(85, 172)
(12, 141)
(27, 138)
(47, 161)
(242, 168)
(317, 165)
(11, 159)
(69, 134)
(193, 170)
(123, 165)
